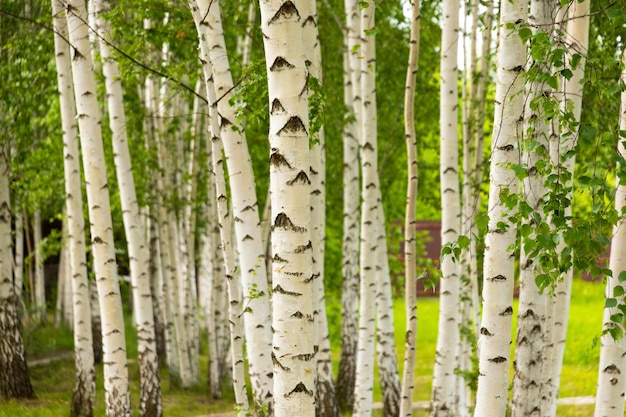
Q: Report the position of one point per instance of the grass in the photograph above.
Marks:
(53, 382)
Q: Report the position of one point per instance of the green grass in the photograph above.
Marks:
(53, 383)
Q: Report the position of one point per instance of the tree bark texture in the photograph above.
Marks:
(293, 354)
(138, 250)
(83, 396)
(351, 215)
(410, 277)
(495, 330)
(245, 208)
(113, 340)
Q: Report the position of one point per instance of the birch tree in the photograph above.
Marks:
(533, 326)
(410, 278)
(290, 189)
(326, 401)
(245, 207)
(350, 243)
(611, 385)
(14, 376)
(40, 281)
(577, 41)
(138, 252)
(498, 282)
(114, 345)
(444, 400)
(369, 217)
(83, 396)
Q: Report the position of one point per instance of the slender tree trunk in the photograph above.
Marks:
(40, 281)
(578, 41)
(498, 283)
(293, 343)
(610, 393)
(236, 306)
(350, 246)
(245, 207)
(410, 276)
(326, 401)
(14, 376)
(369, 217)
(18, 272)
(444, 398)
(114, 344)
(533, 327)
(83, 396)
(138, 251)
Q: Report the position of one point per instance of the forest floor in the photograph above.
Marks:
(50, 357)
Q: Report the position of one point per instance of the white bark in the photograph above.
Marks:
(293, 343)
(236, 306)
(40, 282)
(444, 400)
(611, 383)
(326, 401)
(495, 331)
(410, 276)
(138, 251)
(114, 344)
(14, 377)
(83, 396)
(534, 330)
(351, 214)
(369, 218)
(18, 270)
(244, 204)
(578, 39)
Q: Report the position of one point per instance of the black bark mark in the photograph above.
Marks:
(277, 160)
(287, 11)
(301, 178)
(282, 221)
(294, 125)
(280, 64)
(300, 388)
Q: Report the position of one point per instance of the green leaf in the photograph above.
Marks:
(371, 32)
(567, 73)
(622, 276)
(618, 291)
(525, 33)
(610, 302)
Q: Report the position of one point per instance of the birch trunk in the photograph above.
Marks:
(40, 281)
(444, 401)
(610, 392)
(14, 376)
(326, 401)
(244, 204)
(18, 273)
(533, 327)
(138, 251)
(293, 343)
(495, 331)
(236, 306)
(83, 396)
(578, 41)
(114, 344)
(385, 342)
(350, 246)
(410, 277)
(369, 217)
